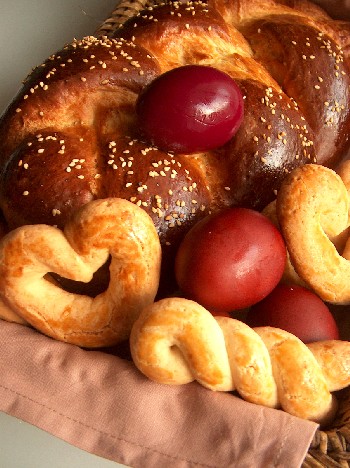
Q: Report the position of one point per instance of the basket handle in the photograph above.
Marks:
(124, 10)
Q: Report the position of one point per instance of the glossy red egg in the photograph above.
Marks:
(190, 108)
(230, 260)
(297, 310)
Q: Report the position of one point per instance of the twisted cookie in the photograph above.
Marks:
(101, 228)
(176, 341)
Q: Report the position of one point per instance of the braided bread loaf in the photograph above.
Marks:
(70, 135)
(176, 341)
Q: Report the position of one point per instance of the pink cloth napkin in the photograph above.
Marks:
(102, 404)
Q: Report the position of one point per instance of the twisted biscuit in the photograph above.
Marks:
(71, 134)
(101, 228)
(176, 341)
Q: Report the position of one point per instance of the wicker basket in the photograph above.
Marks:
(330, 448)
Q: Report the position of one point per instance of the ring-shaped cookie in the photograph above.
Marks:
(313, 208)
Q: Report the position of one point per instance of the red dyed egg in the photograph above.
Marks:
(296, 310)
(190, 108)
(230, 260)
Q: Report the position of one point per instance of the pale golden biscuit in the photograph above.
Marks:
(102, 228)
(176, 341)
(7, 313)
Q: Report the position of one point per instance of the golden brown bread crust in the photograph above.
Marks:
(113, 227)
(175, 341)
(70, 136)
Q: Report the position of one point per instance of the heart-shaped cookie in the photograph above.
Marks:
(111, 227)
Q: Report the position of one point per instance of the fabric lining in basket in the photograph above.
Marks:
(329, 448)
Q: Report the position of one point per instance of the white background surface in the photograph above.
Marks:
(30, 31)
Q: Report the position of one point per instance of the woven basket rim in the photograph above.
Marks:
(330, 448)
(124, 10)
